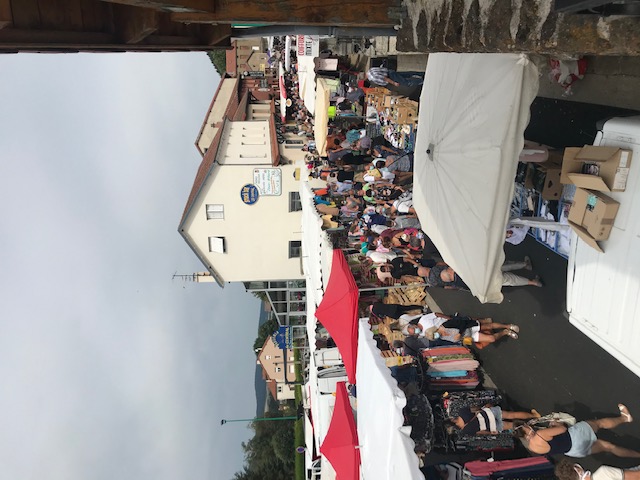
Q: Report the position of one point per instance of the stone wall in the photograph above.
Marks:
(513, 26)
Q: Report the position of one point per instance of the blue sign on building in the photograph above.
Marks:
(283, 337)
(249, 194)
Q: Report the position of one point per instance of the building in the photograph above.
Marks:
(279, 368)
(287, 299)
(243, 215)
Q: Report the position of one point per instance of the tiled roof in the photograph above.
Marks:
(232, 65)
(203, 171)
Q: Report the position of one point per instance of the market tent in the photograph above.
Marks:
(317, 251)
(338, 312)
(287, 53)
(386, 447)
(321, 117)
(474, 109)
(307, 82)
(341, 442)
(283, 93)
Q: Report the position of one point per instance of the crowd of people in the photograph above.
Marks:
(368, 204)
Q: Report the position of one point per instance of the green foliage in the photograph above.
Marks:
(299, 440)
(260, 295)
(270, 454)
(219, 60)
(265, 330)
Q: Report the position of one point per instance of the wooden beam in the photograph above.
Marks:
(133, 24)
(170, 5)
(14, 40)
(216, 34)
(193, 17)
(306, 12)
(6, 19)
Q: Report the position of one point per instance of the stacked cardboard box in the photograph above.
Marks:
(594, 170)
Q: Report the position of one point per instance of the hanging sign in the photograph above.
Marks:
(249, 194)
(268, 181)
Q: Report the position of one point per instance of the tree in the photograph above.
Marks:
(270, 454)
(265, 330)
(219, 60)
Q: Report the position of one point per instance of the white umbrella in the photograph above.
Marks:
(287, 53)
(474, 109)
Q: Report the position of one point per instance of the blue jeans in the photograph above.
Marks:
(407, 79)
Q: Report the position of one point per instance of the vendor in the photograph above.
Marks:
(488, 420)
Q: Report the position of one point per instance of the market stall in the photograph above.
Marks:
(386, 447)
(474, 109)
(321, 116)
(307, 82)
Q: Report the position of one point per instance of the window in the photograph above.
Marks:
(217, 245)
(215, 212)
(295, 249)
(278, 369)
(295, 205)
(267, 357)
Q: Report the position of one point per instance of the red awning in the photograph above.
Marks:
(338, 312)
(339, 445)
(283, 94)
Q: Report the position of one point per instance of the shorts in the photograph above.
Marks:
(403, 205)
(473, 332)
(582, 439)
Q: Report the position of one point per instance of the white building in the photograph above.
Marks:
(243, 215)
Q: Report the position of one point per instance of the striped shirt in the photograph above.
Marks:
(377, 75)
(484, 420)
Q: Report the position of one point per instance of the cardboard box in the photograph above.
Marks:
(592, 215)
(406, 114)
(610, 167)
(545, 177)
(391, 100)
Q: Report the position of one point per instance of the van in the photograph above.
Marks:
(603, 288)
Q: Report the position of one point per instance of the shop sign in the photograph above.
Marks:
(308, 45)
(254, 74)
(249, 194)
(268, 181)
(283, 337)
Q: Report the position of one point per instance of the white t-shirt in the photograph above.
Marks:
(606, 472)
(518, 234)
(426, 321)
(381, 257)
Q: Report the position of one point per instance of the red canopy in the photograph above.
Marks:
(339, 445)
(283, 94)
(338, 312)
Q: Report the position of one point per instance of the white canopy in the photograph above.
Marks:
(321, 117)
(307, 82)
(474, 109)
(386, 448)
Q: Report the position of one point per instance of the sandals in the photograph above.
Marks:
(537, 282)
(511, 333)
(514, 328)
(624, 412)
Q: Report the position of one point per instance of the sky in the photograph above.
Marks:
(109, 368)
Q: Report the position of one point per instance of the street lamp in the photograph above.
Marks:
(258, 419)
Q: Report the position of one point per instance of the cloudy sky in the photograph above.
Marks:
(108, 367)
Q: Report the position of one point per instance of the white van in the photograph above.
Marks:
(603, 289)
